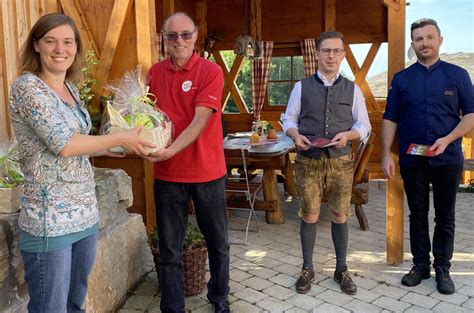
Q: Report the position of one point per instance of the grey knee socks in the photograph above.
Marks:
(340, 237)
(308, 237)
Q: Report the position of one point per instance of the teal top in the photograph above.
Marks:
(33, 244)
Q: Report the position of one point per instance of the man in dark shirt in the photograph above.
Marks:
(430, 103)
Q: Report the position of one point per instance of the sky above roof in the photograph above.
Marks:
(455, 19)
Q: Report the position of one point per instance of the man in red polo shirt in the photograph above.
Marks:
(188, 88)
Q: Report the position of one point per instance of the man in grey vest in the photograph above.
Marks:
(325, 112)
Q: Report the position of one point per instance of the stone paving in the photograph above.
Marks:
(263, 273)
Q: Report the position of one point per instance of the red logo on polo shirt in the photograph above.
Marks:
(186, 86)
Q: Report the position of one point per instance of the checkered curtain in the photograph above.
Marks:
(161, 47)
(260, 69)
(308, 49)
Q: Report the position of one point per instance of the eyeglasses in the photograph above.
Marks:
(184, 35)
(326, 51)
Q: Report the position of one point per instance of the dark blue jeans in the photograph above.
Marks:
(172, 201)
(445, 182)
(57, 280)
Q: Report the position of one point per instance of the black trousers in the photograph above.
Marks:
(445, 182)
(172, 201)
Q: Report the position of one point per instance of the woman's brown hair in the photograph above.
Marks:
(30, 59)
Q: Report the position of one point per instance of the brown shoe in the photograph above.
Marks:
(303, 284)
(345, 281)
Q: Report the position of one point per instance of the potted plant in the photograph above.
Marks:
(11, 179)
(194, 259)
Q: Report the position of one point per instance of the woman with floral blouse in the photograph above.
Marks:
(59, 215)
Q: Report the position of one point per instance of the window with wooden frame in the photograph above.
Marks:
(284, 72)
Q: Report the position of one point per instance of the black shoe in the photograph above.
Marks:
(303, 284)
(416, 274)
(444, 282)
(344, 279)
(220, 307)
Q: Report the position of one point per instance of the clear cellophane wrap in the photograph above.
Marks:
(134, 106)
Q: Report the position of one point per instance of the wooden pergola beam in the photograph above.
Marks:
(230, 86)
(361, 73)
(394, 4)
(394, 193)
(369, 59)
(120, 12)
(76, 12)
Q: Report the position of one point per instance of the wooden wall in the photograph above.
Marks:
(16, 19)
(285, 22)
(109, 27)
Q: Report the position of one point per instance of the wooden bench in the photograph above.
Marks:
(360, 194)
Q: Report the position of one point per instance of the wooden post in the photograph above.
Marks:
(10, 18)
(270, 192)
(468, 143)
(256, 19)
(145, 22)
(329, 15)
(168, 8)
(5, 130)
(201, 21)
(394, 197)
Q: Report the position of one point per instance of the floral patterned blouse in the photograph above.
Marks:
(59, 192)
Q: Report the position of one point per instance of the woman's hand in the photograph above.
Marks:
(134, 144)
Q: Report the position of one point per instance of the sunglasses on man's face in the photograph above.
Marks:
(172, 36)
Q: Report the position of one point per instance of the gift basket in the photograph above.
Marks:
(134, 106)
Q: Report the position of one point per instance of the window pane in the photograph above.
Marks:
(280, 69)
(278, 93)
(244, 82)
(230, 106)
(298, 68)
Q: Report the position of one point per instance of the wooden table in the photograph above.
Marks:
(271, 158)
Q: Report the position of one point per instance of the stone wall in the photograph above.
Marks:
(122, 258)
(13, 289)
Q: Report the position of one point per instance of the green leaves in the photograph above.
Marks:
(10, 173)
(85, 86)
(193, 239)
(85, 89)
